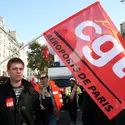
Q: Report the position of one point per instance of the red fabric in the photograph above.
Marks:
(46, 53)
(32, 81)
(37, 88)
(89, 45)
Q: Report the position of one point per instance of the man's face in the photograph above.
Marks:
(16, 71)
(43, 80)
(72, 82)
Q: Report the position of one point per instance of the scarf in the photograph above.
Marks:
(73, 93)
(43, 91)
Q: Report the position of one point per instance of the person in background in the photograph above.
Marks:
(19, 102)
(50, 99)
(72, 93)
(80, 101)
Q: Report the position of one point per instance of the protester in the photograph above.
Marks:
(80, 101)
(92, 114)
(72, 93)
(19, 102)
(50, 100)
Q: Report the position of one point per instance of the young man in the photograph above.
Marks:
(50, 98)
(19, 102)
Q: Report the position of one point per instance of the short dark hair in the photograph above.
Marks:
(14, 60)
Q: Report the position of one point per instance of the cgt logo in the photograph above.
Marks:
(104, 56)
(9, 102)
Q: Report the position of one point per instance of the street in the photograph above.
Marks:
(65, 119)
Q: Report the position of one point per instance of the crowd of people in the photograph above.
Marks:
(21, 103)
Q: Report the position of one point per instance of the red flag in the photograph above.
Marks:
(88, 43)
(46, 53)
(32, 81)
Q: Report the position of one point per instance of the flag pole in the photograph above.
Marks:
(31, 41)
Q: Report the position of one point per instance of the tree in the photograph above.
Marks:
(36, 60)
(50, 56)
(123, 34)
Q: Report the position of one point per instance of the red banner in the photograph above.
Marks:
(88, 43)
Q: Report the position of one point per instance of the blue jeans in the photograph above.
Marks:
(53, 119)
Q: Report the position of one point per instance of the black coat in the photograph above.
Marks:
(25, 111)
(92, 114)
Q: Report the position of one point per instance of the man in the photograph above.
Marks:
(19, 102)
(50, 99)
(72, 93)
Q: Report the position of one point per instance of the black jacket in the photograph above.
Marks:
(25, 111)
(92, 114)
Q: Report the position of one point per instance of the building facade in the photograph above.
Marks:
(122, 27)
(30, 74)
(8, 46)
